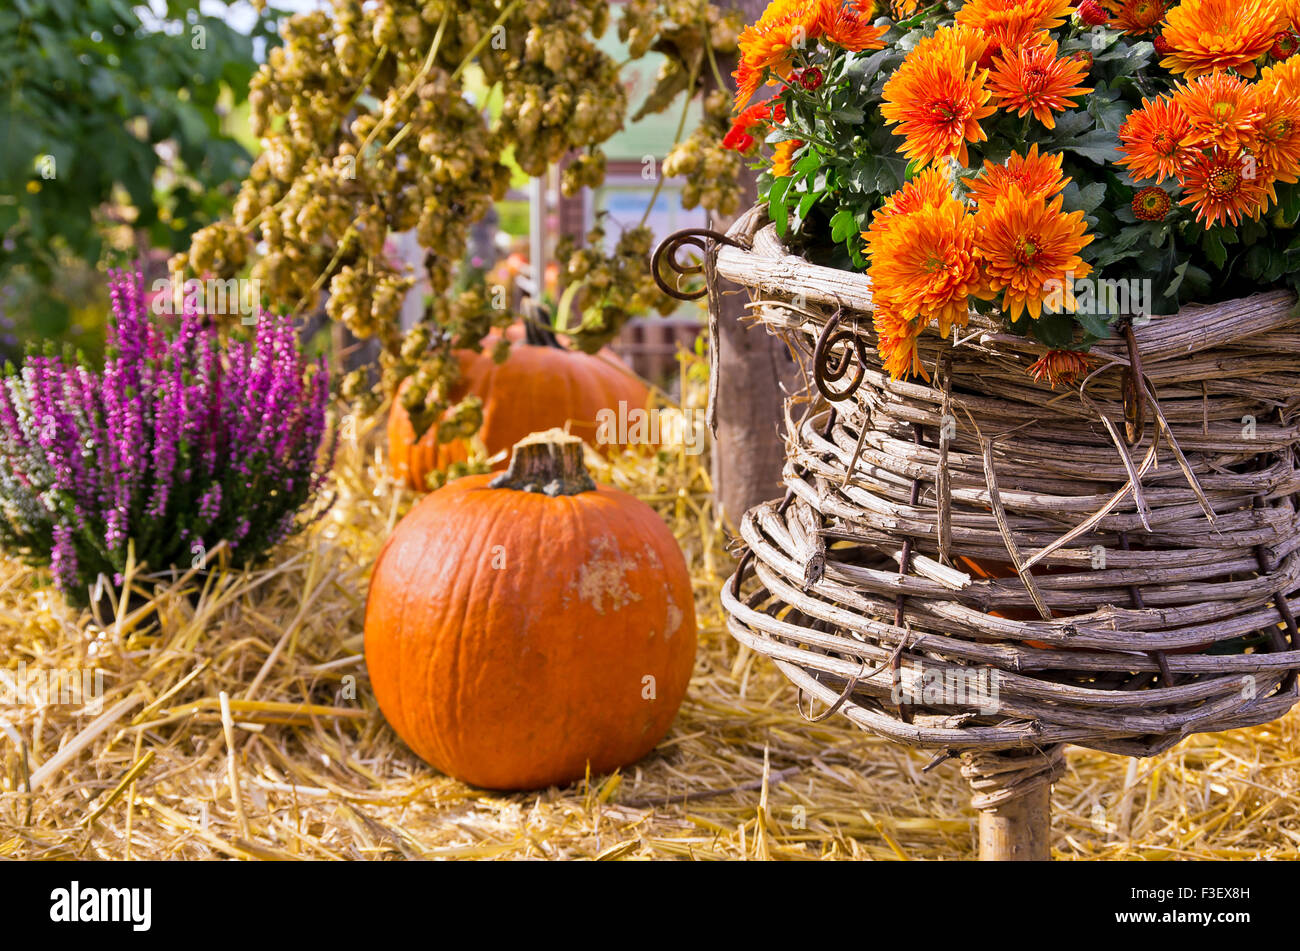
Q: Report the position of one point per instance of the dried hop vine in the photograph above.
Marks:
(368, 129)
(611, 286)
(712, 171)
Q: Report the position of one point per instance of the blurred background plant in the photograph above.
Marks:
(119, 129)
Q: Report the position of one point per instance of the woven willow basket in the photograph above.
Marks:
(986, 532)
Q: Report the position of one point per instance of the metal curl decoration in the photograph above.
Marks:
(831, 366)
(698, 238)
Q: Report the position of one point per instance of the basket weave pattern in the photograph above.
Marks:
(982, 529)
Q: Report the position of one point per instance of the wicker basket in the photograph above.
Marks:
(983, 563)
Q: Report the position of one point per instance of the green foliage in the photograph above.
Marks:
(100, 108)
(69, 311)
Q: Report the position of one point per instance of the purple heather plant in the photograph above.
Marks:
(184, 440)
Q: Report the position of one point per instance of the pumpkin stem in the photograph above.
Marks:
(548, 462)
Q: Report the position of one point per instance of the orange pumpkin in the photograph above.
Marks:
(522, 627)
(536, 388)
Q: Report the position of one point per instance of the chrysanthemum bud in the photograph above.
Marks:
(1151, 204)
(1092, 13)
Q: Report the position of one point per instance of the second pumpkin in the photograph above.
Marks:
(535, 389)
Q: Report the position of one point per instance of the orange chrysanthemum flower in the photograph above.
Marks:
(1209, 35)
(931, 186)
(770, 44)
(1292, 8)
(1221, 110)
(1037, 176)
(848, 25)
(1136, 17)
(972, 43)
(1013, 22)
(1151, 140)
(1031, 251)
(1221, 188)
(1059, 367)
(1276, 142)
(1267, 179)
(896, 342)
(1032, 78)
(924, 263)
(788, 26)
(937, 99)
(1283, 76)
(783, 157)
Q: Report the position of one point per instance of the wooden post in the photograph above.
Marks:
(1012, 789)
(1020, 830)
(753, 368)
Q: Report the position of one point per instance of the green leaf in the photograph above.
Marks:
(1135, 57)
(1112, 115)
(863, 67)
(776, 206)
(1105, 106)
(1256, 263)
(805, 205)
(1099, 145)
(808, 163)
(1252, 230)
(104, 85)
(1096, 325)
(843, 224)
(1212, 244)
(1085, 199)
(1180, 272)
(849, 115)
(779, 187)
(1054, 330)
(780, 134)
(1288, 203)
(1189, 283)
(1125, 244)
(74, 77)
(1072, 122)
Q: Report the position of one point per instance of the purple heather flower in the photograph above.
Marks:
(210, 504)
(63, 557)
(181, 435)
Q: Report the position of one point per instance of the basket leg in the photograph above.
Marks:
(1018, 831)
(1012, 789)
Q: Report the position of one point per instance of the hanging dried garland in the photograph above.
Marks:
(368, 129)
